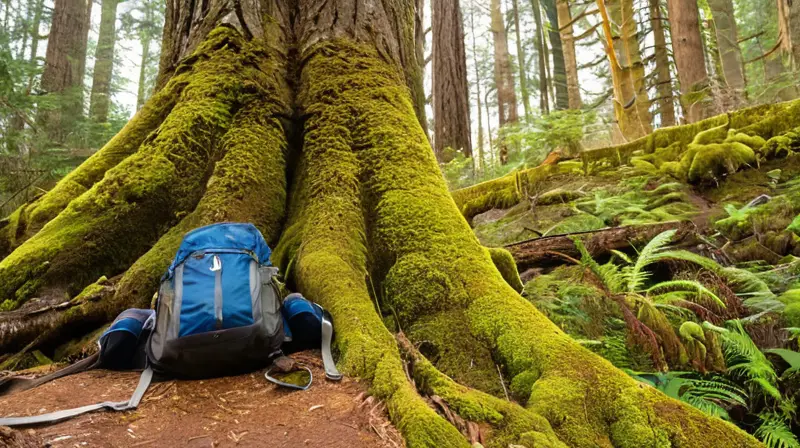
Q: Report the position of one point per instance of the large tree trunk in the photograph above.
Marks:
(687, 48)
(450, 88)
(631, 104)
(316, 92)
(666, 106)
(64, 67)
(570, 59)
(104, 63)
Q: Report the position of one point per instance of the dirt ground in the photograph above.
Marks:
(240, 411)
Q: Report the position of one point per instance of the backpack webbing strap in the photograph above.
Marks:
(327, 358)
(12, 384)
(53, 417)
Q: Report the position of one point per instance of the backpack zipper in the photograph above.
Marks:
(216, 268)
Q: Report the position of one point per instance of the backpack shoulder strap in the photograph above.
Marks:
(327, 358)
(13, 384)
(57, 416)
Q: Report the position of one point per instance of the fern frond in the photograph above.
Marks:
(691, 257)
(699, 288)
(608, 273)
(775, 432)
(622, 256)
(647, 256)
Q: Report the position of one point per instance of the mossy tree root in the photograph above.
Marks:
(378, 196)
(248, 185)
(107, 228)
(31, 217)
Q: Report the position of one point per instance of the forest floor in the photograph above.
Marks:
(240, 411)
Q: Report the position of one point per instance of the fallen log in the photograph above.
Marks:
(553, 249)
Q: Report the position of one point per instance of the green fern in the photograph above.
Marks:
(775, 432)
(745, 358)
(701, 291)
(713, 395)
(649, 254)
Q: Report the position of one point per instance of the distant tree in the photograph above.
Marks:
(631, 104)
(523, 79)
(104, 62)
(64, 68)
(687, 48)
(450, 87)
(559, 75)
(570, 60)
(666, 105)
(541, 52)
(503, 77)
(728, 46)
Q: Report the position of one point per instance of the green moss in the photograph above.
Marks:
(579, 222)
(558, 196)
(791, 314)
(504, 262)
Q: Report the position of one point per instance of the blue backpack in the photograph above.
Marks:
(218, 313)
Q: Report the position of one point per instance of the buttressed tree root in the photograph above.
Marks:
(247, 184)
(372, 233)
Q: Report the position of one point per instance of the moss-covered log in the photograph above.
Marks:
(698, 152)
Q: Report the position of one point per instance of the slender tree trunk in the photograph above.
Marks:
(104, 63)
(666, 106)
(503, 78)
(631, 104)
(570, 60)
(419, 38)
(142, 94)
(35, 38)
(64, 68)
(523, 79)
(559, 78)
(728, 45)
(489, 126)
(538, 40)
(450, 86)
(478, 82)
(366, 200)
(687, 48)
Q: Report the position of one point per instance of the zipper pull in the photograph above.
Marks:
(216, 264)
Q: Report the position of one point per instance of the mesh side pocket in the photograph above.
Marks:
(270, 301)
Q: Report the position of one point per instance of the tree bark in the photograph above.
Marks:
(666, 106)
(104, 63)
(523, 81)
(728, 46)
(687, 48)
(631, 104)
(64, 67)
(367, 204)
(450, 88)
(559, 78)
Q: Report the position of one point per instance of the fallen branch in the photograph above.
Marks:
(559, 248)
